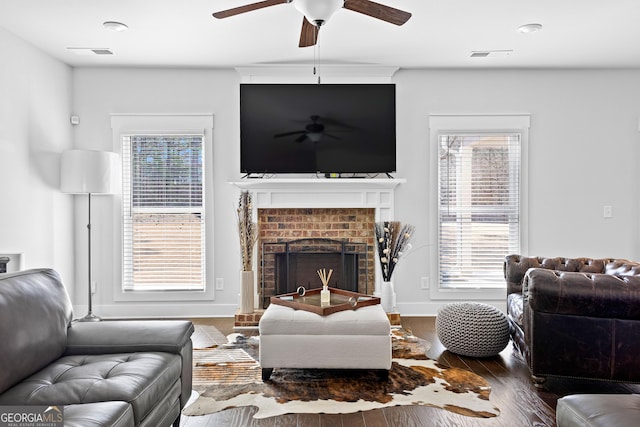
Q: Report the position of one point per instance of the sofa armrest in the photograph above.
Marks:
(125, 336)
(582, 294)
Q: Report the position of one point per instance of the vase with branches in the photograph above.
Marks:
(248, 233)
(247, 230)
(392, 241)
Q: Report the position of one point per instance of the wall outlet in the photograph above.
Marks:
(219, 284)
(607, 211)
(424, 283)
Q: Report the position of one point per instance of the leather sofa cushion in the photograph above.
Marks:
(598, 410)
(142, 379)
(583, 294)
(281, 320)
(102, 414)
(35, 312)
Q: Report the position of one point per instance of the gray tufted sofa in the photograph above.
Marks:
(109, 373)
(575, 317)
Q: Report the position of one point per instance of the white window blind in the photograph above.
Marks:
(163, 212)
(479, 205)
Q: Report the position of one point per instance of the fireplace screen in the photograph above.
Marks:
(287, 265)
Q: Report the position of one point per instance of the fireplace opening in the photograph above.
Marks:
(290, 264)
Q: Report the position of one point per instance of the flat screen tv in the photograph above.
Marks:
(317, 128)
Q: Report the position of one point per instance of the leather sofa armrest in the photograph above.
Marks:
(126, 336)
(514, 269)
(582, 294)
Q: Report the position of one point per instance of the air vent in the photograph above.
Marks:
(490, 53)
(102, 51)
(89, 51)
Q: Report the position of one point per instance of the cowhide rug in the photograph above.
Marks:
(229, 376)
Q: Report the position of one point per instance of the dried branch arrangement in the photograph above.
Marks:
(392, 240)
(247, 230)
(324, 277)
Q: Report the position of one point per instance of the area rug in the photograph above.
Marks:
(229, 375)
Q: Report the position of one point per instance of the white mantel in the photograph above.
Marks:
(325, 193)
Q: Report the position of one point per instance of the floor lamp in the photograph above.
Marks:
(87, 172)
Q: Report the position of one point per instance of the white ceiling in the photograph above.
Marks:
(441, 33)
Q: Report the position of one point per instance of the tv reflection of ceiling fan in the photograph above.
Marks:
(317, 12)
(313, 131)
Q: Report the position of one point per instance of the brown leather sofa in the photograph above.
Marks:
(575, 317)
(109, 373)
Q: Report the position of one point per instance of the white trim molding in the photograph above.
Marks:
(325, 193)
(304, 73)
(164, 123)
(499, 123)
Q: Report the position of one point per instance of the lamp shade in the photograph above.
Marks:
(87, 171)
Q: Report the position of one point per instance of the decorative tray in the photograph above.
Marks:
(310, 300)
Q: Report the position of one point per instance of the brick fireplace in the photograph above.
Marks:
(342, 210)
(295, 242)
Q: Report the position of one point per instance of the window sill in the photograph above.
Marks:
(497, 293)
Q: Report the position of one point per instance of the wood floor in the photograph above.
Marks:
(512, 392)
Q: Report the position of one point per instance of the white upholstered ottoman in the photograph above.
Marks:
(350, 339)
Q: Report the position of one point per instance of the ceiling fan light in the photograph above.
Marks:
(318, 12)
(314, 136)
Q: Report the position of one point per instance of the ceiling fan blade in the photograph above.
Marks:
(377, 10)
(301, 138)
(309, 33)
(278, 135)
(247, 8)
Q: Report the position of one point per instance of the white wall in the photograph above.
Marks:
(35, 105)
(98, 93)
(583, 154)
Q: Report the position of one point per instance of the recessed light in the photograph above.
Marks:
(115, 26)
(529, 28)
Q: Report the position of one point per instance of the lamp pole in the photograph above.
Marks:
(90, 317)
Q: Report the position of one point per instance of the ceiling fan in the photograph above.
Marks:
(317, 12)
(313, 131)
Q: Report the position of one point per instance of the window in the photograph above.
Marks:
(163, 229)
(163, 212)
(480, 201)
(478, 207)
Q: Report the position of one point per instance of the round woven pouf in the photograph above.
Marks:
(472, 329)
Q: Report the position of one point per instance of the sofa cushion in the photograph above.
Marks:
(583, 294)
(102, 414)
(142, 379)
(35, 312)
